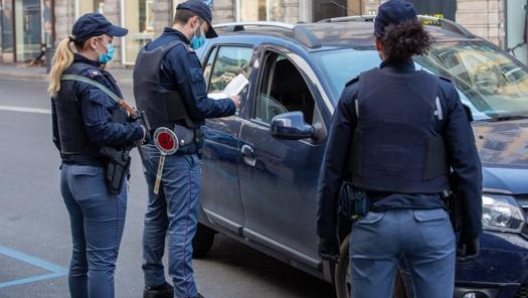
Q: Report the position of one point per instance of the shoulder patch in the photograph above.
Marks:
(354, 80)
(93, 73)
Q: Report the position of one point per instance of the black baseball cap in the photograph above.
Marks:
(203, 11)
(393, 12)
(95, 24)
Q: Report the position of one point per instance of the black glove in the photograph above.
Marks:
(329, 249)
(468, 247)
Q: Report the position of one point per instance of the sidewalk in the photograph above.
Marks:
(24, 72)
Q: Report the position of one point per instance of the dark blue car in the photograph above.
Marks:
(260, 167)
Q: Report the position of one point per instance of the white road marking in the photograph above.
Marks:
(25, 110)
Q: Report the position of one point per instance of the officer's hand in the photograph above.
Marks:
(236, 100)
(468, 247)
(329, 249)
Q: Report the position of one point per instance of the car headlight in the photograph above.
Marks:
(501, 213)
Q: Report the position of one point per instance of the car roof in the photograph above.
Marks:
(356, 31)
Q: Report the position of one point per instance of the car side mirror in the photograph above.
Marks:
(291, 126)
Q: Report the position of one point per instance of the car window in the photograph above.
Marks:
(340, 66)
(223, 67)
(491, 82)
(282, 89)
(209, 66)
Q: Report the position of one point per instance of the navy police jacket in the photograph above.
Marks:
(84, 118)
(461, 152)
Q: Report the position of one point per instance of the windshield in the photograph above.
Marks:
(489, 81)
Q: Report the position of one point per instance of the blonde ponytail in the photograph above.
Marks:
(62, 59)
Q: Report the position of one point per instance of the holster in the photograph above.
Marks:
(189, 139)
(352, 202)
(453, 208)
(116, 169)
(185, 135)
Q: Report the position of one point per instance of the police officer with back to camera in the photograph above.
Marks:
(94, 135)
(169, 87)
(402, 138)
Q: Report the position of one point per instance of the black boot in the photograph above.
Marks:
(163, 291)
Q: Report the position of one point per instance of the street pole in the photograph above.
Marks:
(50, 47)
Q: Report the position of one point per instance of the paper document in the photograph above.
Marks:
(233, 88)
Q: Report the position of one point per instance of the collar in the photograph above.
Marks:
(404, 66)
(82, 59)
(176, 33)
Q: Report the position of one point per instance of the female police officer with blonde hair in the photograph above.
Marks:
(91, 131)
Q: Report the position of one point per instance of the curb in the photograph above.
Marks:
(40, 75)
(24, 76)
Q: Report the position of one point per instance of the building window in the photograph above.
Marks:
(258, 10)
(84, 7)
(28, 30)
(138, 17)
(47, 24)
(6, 19)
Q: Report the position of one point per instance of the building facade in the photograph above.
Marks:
(28, 27)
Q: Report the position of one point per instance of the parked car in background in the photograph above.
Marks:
(261, 166)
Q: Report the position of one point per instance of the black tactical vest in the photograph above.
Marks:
(396, 145)
(163, 107)
(74, 140)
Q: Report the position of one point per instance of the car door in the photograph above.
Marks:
(220, 196)
(278, 178)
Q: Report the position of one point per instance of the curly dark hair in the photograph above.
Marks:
(402, 41)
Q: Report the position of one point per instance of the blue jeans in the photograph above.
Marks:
(172, 213)
(97, 220)
(424, 238)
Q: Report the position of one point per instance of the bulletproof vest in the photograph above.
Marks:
(396, 145)
(162, 106)
(74, 139)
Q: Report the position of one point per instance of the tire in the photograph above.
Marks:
(202, 241)
(342, 275)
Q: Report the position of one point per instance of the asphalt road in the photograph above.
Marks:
(34, 230)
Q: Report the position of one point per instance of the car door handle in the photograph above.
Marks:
(248, 155)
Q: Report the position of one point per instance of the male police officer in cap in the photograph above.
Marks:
(402, 145)
(170, 88)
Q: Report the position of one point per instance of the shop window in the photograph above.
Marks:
(84, 6)
(47, 25)
(6, 19)
(139, 19)
(28, 30)
(259, 10)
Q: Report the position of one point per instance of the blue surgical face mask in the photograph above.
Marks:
(106, 57)
(198, 41)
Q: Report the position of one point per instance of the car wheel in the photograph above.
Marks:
(342, 275)
(202, 241)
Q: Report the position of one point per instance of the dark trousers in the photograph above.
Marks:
(424, 238)
(97, 220)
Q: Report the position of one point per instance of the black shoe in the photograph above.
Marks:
(163, 291)
(198, 296)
